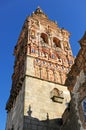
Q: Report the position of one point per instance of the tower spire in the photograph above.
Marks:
(39, 12)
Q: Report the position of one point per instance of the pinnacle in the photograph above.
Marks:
(39, 12)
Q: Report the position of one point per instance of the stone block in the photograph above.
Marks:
(34, 127)
(40, 127)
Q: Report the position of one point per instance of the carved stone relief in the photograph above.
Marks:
(57, 95)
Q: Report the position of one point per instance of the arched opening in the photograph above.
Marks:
(44, 38)
(84, 108)
(56, 42)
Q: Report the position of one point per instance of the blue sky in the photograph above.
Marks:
(70, 14)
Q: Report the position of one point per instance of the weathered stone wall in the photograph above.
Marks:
(42, 108)
(75, 119)
(15, 115)
(37, 95)
(38, 105)
(35, 124)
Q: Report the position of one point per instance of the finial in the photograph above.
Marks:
(38, 7)
(40, 13)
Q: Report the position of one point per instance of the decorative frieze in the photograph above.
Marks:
(50, 71)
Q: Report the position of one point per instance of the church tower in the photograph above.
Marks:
(43, 57)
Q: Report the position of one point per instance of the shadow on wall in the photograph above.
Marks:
(31, 123)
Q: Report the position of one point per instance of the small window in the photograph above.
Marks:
(62, 67)
(33, 51)
(84, 108)
(37, 60)
(70, 62)
(52, 56)
(44, 38)
(57, 66)
(44, 62)
(56, 42)
(50, 64)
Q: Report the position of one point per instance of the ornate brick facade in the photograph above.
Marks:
(43, 57)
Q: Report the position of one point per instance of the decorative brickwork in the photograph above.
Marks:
(43, 57)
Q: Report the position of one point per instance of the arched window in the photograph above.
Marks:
(84, 108)
(53, 56)
(44, 38)
(33, 50)
(56, 42)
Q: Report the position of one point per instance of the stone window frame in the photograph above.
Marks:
(56, 42)
(44, 38)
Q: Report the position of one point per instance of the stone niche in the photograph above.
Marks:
(56, 95)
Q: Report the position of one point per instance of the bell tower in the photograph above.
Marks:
(43, 57)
